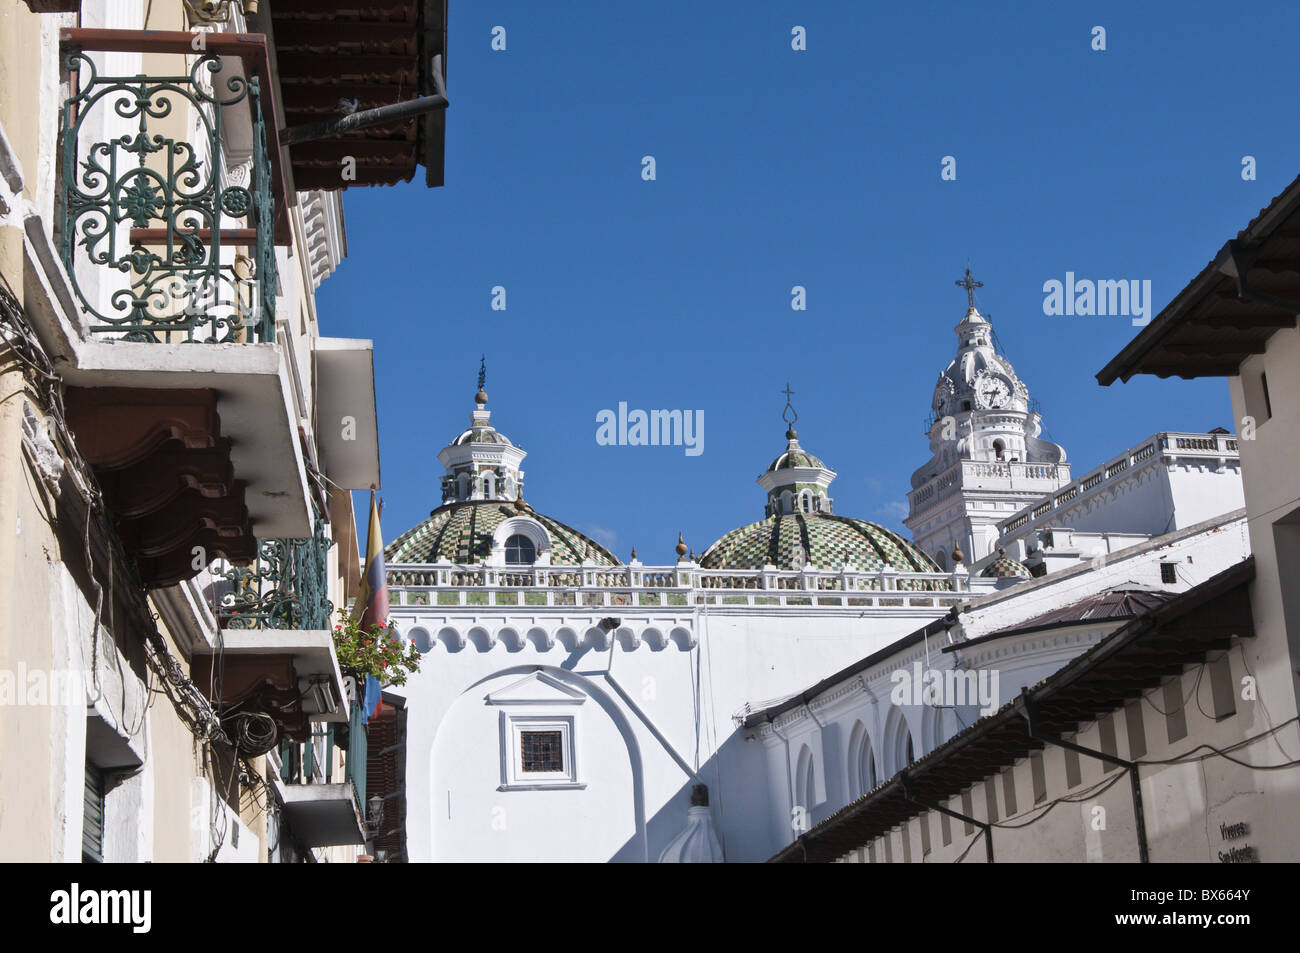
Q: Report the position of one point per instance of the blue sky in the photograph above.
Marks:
(778, 168)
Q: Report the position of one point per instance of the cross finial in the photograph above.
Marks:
(789, 407)
(970, 284)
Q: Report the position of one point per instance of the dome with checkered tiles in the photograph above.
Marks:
(462, 533)
(822, 540)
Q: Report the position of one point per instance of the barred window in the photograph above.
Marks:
(541, 751)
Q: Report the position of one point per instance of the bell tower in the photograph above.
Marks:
(987, 460)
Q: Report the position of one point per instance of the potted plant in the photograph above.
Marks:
(377, 650)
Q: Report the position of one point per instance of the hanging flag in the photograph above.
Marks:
(371, 703)
(371, 607)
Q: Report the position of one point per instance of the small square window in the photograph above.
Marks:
(1168, 573)
(538, 752)
(541, 751)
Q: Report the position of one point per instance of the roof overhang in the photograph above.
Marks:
(1137, 657)
(378, 52)
(1229, 311)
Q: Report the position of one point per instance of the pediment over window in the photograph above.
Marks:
(538, 688)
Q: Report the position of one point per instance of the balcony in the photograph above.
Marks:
(324, 804)
(172, 204)
(156, 204)
(286, 587)
(668, 590)
(279, 675)
(1064, 505)
(1030, 477)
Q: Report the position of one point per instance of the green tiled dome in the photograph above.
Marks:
(1004, 567)
(462, 533)
(827, 539)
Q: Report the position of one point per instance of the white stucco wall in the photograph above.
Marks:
(454, 748)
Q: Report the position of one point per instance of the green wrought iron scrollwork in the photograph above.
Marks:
(287, 588)
(166, 213)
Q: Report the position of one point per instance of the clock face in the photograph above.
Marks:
(993, 392)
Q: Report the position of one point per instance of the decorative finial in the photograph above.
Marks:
(692, 555)
(634, 552)
(699, 796)
(681, 546)
(791, 433)
(957, 555)
(481, 397)
(970, 284)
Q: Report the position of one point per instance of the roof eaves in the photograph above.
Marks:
(1077, 668)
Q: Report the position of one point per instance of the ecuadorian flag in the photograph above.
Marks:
(372, 600)
(371, 607)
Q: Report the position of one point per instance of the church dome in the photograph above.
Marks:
(794, 456)
(464, 532)
(1004, 567)
(481, 435)
(826, 540)
(483, 516)
(802, 529)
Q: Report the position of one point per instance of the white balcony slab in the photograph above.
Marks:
(313, 655)
(347, 423)
(254, 400)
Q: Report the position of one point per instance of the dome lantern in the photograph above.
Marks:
(482, 463)
(796, 481)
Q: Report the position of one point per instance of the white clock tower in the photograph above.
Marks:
(987, 459)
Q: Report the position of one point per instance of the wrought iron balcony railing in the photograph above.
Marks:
(163, 241)
(312, 762)
(286, 588)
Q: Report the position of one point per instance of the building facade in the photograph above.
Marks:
(1173, 735)
(576, 707)
(180, 437)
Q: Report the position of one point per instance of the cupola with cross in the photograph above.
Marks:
(987, 456)
(482, 463)
(483, 519)
(796, 480)
(800, 529)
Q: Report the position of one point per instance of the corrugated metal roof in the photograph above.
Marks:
(1116, 604)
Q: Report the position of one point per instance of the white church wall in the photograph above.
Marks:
(1166, 482)
(1019, 661)
(454, 743)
